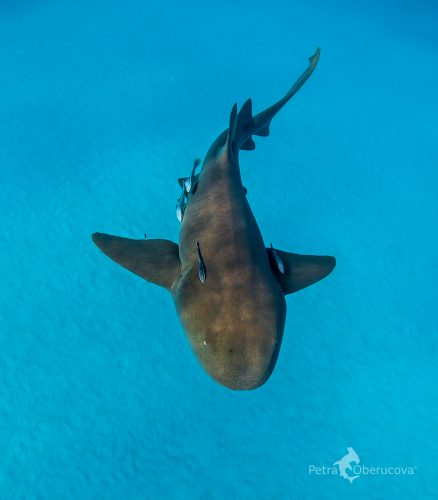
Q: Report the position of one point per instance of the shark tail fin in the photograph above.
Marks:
(243, 124)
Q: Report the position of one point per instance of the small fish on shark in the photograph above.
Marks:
(181, 204)
(278, 261)
(193, 182)
(188, 185)
(202, 273)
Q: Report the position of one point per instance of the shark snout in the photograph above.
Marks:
(242, 366)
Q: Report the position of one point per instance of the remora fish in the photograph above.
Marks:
(201, 266)
(181, 204)
(190, 183)
(235, 319)
(279, 263)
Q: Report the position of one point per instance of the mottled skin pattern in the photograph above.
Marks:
(234, 320)
(229, 292)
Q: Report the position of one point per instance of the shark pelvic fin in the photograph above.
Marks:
(249, 145)
(300, 271)
(156, 261)
(263, 132)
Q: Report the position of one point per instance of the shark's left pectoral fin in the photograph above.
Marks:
(300, 271)
(156, 261)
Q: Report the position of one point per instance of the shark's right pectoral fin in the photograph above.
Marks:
(300, 271)
(156, 261)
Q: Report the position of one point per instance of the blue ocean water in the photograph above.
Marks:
(104, 105)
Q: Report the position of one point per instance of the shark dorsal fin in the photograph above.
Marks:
(156, 261)
(300, 271)
(245, 120)
(231, 131)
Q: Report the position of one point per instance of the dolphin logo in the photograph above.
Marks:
(345, 462)
(228, 288)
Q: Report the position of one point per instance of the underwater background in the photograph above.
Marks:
(103, 106)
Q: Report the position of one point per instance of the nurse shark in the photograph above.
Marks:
(228, 287)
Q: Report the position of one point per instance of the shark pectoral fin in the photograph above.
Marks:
(156, 261)
(300, 271)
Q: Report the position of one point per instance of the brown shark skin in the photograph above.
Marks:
(228, 289)
(235, 320)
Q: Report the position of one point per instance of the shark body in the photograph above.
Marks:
(228, 288)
